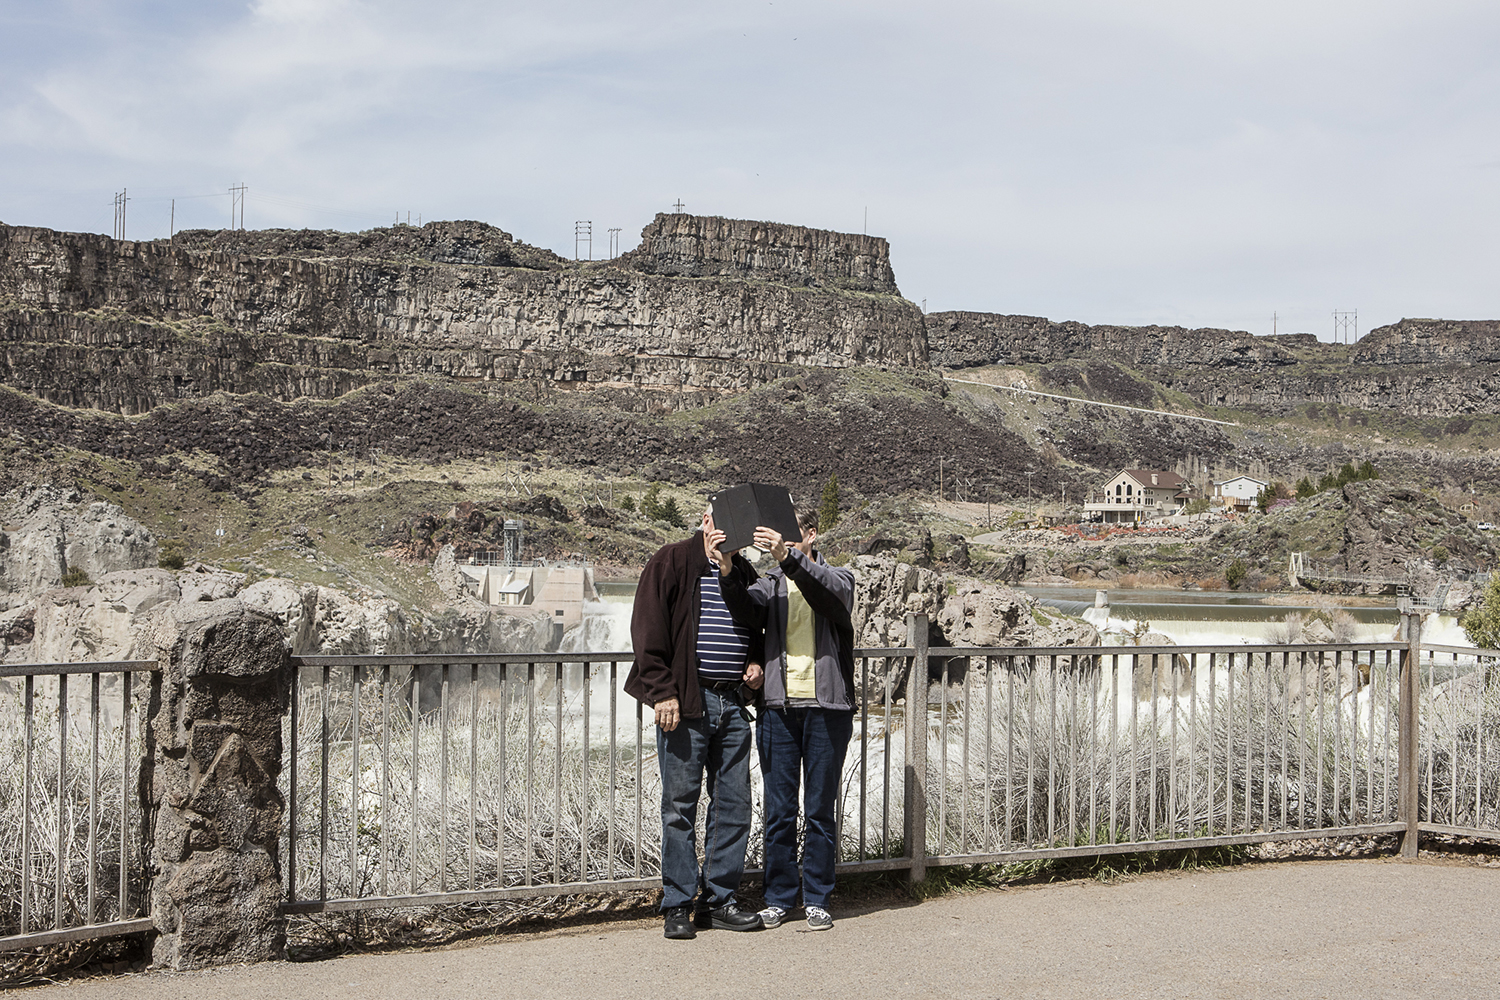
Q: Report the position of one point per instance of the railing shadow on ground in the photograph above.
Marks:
(436, 780)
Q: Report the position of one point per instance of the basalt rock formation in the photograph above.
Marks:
(704, 307)
(87, 321)
(970, 339)
(702, 247)
(1417, 367)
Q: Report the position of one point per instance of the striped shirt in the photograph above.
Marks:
(722, 645)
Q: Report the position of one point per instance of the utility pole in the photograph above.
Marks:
(237, 201)
(172, 225)
(583, 232)
(677, 206)
(1273, 324)
(614, 243)
(118, 232)
(1031, 505)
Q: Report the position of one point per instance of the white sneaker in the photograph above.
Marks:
(771, 916)
(818, 919)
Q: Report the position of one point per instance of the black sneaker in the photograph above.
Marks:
(679, 924)
(729, 917)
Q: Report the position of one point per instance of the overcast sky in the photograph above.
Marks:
(1199, 162)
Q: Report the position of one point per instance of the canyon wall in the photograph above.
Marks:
(127, 326)
(969, 339)
(1417, 367)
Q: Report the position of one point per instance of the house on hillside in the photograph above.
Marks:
(1136, 495)
(1237, 494)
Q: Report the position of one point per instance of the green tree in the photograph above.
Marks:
(170, 556)
(1328, 482)
(1305, 488)
(1347, 473)
(828, 510)
(1197, 506)
(1481, 623)
(1270, 493)
(671, 514)
(627, 503)
(651, 502)
(1367, 470)
(1236, 573)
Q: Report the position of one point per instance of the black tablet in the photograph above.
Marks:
(739, 510)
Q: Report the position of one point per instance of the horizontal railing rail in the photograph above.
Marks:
(71, 863)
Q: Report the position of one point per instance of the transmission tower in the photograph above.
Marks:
(1346, 324)
(583, 235)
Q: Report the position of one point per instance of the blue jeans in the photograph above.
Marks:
(718, 745)
(802, 746)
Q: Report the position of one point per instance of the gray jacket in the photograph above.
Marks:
(761, 603)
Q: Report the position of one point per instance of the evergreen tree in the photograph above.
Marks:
(1367, 470)
(828, 511)
(1305, 488)
(627, 503)
(651, 503)
(671, 515)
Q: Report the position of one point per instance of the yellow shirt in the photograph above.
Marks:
(801, 645)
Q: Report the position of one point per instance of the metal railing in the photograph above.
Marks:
(1067, 751)
(72, 865)
(508, 776)
(423, 780)
(1458, 749)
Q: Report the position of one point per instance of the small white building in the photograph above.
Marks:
(1238, 493)
(1138, 494)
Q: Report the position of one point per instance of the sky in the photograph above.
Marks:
(1187, 162)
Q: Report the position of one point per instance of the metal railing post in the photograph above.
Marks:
(1408, 811)
(916, 748)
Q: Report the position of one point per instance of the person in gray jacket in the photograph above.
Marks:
(803, 604)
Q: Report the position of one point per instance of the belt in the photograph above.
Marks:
(721, 686)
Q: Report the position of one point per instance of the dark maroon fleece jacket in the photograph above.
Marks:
(664, 626)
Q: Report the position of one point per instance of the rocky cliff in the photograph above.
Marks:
(1428, 368)
(128, 326)
(1431, 342)
(698, 247)
(970, 339)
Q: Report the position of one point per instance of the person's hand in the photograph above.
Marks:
(770, 540)
(754, 676)
(668, 714)
(712, 539)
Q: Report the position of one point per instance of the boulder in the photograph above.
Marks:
(49, 530)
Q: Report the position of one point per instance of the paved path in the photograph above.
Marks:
(1345, 929)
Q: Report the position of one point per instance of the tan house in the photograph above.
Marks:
(1136, 495)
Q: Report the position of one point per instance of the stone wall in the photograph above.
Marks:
(124, 326)
(696, 246)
